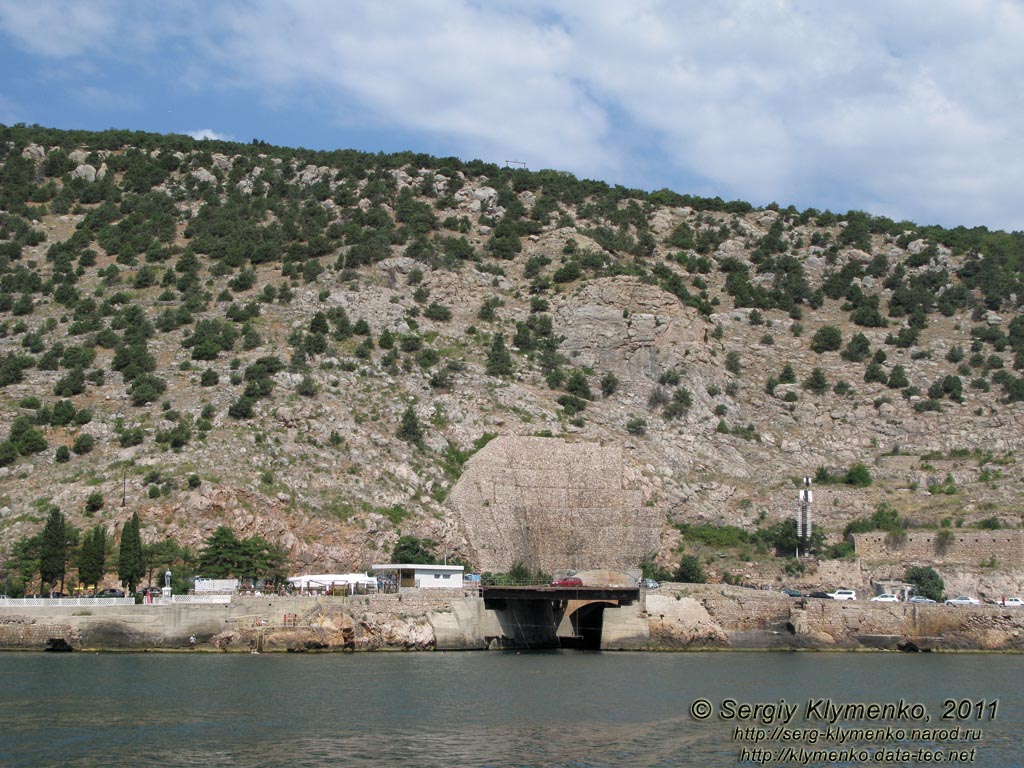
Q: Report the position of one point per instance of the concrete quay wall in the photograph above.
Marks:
(676, 617)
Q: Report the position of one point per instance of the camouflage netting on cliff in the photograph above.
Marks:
(552, 505)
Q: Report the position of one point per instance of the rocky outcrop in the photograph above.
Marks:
(631, 328)
(682, 623)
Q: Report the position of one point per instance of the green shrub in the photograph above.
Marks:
(858, 476)
(94, 502)
(439, 312)
(828, 338)
(637, 426)
(926, 581)
(84, 443)
(816, 382)
(690, 570)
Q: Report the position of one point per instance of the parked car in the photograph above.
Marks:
(568, 581)
(110, 592)
(1012, 602)
(963, 600)
(843, 594)
(885, 597)
(919, 599)
(792, 592)
(650, 583)
(822, 595)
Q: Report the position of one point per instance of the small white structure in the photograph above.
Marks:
(423, 576)
(334, 582)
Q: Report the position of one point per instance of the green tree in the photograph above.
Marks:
(131, 566)
(499, 360)
(898, 378)
(816, 382)
(83, 443)
(828, 338)
(782, 536)
(858, 476)
(162, 556)
(926, 581)
(225, 555)
(413, 550)
(222, 555)
(609, 383)
(577, 385)
(857, 349)
(8, 453)
(92, 560)
(25, 438)
(409, 429)
(53, 550)
(690, 570)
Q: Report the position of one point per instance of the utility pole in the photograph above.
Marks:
(124, 483)
(803, 515)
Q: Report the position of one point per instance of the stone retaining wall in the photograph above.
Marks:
(966, 547)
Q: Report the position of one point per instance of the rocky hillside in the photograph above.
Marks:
(307, 346)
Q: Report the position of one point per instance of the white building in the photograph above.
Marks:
(423, 576)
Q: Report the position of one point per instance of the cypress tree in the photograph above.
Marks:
(53, 550)
(92, 561)
(130, 564)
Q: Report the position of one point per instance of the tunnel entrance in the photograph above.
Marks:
(587, 623)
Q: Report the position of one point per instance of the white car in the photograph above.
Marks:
(1012, 602)
(886, 597)
(963, 600)
(843, 594)
(921, 600)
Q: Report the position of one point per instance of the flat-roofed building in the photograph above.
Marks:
(405, 575)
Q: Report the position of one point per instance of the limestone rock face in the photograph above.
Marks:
(204, 176)
(86, 172)
(552, 505)
(628, 327)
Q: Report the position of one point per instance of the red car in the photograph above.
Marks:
(568, 581)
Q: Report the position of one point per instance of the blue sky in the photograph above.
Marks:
(912, 109)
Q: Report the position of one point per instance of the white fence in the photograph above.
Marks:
(64, 602)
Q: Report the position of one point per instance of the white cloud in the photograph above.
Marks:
(899, 107)
(208, 133)
(58, 29)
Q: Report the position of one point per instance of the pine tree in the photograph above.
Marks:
(53, 550)
(816, 382)
(130, 565)
(410, 430)
(499, 361)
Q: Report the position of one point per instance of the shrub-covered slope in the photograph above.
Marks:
(307, 346)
